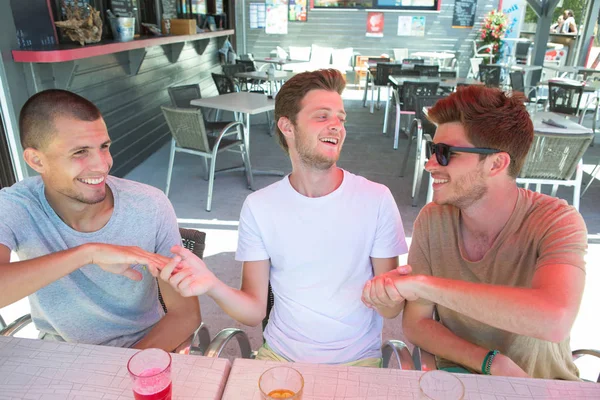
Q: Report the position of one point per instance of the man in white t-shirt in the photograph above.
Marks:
(318, 236)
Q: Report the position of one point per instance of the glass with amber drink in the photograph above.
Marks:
(281, 383)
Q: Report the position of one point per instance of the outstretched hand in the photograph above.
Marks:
(381, 291)
(119, 259)
(187, 273)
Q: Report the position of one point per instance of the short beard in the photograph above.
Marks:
(312, 160)
(469, 189)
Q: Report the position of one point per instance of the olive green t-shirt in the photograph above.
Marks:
(542, 230)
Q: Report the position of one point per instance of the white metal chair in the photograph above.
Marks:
(556, 159)
(190, 136)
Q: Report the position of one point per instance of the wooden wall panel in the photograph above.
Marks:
(131, 104)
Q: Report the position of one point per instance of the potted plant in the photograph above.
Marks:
(492, 32)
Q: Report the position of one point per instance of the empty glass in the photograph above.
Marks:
(440, 385)
(281, 383)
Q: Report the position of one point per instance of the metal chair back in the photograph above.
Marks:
(490, 75)
(564, 98)
(384, 70)
(224, 83)
(187, 127)
(413, 61)
(555, 156)
(249, 65)
(427, 70)
(181, 96)
(412, 89)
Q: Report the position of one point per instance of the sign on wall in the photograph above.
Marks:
(258, 15)
(464, 13)
(297, 10)
(375, 24)
(277, 17)
(411, 26)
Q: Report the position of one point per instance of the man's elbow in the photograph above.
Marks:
(560, 326)
(255, 320)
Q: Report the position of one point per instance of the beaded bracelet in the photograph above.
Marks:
(486, 366)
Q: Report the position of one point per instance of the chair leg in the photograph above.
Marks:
(397, 127)
(406, 154)
(419, 164)
(211, 180)
(577, 187)
(554, 190)
(270, 123)
(247, 166)
(372, 104)
(419, 177)
(206, 170)
(170, 169)
(592, 178)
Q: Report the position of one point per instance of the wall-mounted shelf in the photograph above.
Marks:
(63, 59)
(71, 52)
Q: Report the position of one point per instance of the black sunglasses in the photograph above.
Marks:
(442, 151)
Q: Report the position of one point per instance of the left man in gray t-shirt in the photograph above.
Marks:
(84, 238)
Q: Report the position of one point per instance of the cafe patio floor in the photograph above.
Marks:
(366, 152)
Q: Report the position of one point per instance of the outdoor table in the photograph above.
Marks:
(241, 103)
(338, 382)
(39, 369)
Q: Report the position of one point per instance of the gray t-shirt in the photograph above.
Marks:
(90, 305)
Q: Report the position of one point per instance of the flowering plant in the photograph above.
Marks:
(492, 31)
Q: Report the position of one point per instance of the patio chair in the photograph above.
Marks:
(409, 91)
(523, 51)
(231, 69)
(384, 70)
(490, 75)
(517, 84)
(428, 70)
(15, 326)
(564, 97)
(190, 136)
(484, 52)
(556, 159)
(181, 96)
(421, 130)
(368, 71)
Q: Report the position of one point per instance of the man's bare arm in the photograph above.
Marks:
(545, 311)
(374, 293)
(423, 331)
(189, 276)
(22, 278)
(182, 319)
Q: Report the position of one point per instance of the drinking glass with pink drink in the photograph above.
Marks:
(150, 371)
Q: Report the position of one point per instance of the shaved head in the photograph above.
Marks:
(36, 121)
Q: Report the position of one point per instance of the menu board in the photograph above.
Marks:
(464, 13)
(34, 23)
(124, 8)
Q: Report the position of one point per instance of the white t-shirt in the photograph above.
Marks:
(567, 25)
(320, 251)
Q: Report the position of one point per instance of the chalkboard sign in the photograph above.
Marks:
(34, 23)
(126, 8)
(464, 13)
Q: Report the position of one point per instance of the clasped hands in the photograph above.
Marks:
(389, 289)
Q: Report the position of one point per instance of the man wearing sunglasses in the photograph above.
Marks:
(498, 271)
